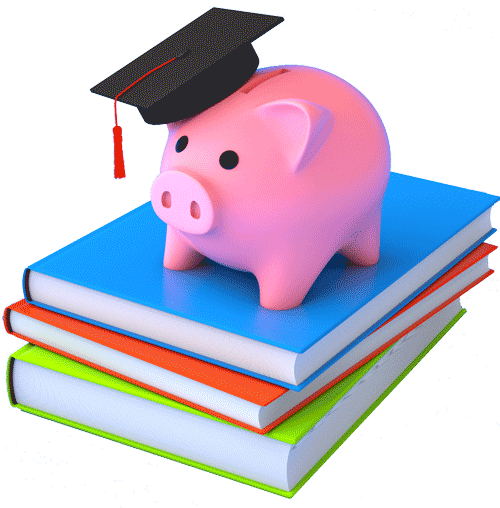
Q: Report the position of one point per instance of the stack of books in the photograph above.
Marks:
(189, 366)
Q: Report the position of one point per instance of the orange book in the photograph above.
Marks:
(249, 402)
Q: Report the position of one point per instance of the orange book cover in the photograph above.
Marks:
(235, 383)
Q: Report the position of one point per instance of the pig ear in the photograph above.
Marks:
(300, 126)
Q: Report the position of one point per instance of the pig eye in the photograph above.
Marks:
(181, 144)
(229, 159)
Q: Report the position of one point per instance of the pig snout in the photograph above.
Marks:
(182, 202)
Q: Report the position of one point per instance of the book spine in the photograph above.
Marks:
(10, 382)
(26, 290)
(6, 320)
(10, 370)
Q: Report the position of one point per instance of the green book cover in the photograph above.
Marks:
(290, 431)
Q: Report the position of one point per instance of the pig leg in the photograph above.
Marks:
(179, 255)
(364, 246)
(284, 283)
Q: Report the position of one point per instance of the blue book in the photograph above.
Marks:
(114, 277)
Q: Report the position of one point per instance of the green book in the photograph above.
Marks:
(57, 388)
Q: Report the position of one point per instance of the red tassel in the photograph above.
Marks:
(119, 163)
(117, 130)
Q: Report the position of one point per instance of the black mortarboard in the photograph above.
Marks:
(214, 57)
(197, 67)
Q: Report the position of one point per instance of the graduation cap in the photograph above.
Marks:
(197, 67)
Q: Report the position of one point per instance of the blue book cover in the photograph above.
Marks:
(125, 259)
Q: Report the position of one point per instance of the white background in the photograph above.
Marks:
(431, 71)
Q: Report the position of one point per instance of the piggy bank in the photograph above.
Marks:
(274, 180)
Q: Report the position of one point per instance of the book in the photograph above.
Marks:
(114, 277)
(246, 401)
(55, 387)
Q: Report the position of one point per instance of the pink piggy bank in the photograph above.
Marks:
(274, 180)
